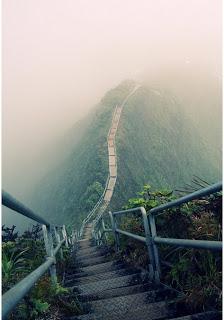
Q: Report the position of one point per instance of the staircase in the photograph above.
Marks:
(105, 199)
(109, 289)
(106, 287)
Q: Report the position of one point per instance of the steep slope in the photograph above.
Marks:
(156, 144)
(68, 192)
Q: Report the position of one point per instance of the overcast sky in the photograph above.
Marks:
(60, 56)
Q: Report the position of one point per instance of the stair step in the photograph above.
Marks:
(91, 255)
(83, 241)
(98, 268)
(152, 311)
(88, 250)
(153, 295)
(111, 290)
(209, 315)
(101, 276)
(122, 304)
(92, 261)
(85, 245)
(87, 234)
(102, 285)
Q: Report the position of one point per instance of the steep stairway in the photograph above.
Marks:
(109, 289)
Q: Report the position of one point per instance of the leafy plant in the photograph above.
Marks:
(195, 272)
(12, 264)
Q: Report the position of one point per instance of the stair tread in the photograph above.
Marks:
(99, 286)
(93, 254)
(150, 311)
(98, 268)
(154, 295)
(209, 315)
(87, 250)
(101, 276)
(109, 289)
(93, 261)
(85, 245)
(119, 304)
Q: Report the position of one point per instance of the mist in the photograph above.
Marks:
(60, 57)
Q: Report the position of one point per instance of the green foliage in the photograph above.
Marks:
(155, 142)
(13, 264)
(21, 257)
(57, 290)
(71, 190)
(39, 307)
(195, 272)
(92, 195)
(158, 143)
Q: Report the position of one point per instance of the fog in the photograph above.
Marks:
(61, 56)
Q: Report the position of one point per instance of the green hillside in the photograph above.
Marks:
(69, 191)
(156, 144)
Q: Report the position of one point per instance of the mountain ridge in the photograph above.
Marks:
(156, 144)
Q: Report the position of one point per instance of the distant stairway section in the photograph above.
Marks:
(105, 199)
(111, 143)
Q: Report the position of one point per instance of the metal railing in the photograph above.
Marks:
(12, 297)
(150, 237)
(93, 211)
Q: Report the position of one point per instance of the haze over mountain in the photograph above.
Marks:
(60, 57)
(157, 144)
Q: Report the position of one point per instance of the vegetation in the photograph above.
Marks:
(158, 144)
(155, 141)
(197, 273)
(70, 191)
(20, 257)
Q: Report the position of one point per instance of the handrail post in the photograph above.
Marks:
(116, 236)
(48, 240)
(72, 237)
(104, 233)
(149, 245)
(99, 233)
(97, 238)
(65, 235)
(94, 236)
(155, 249)
(58, 239)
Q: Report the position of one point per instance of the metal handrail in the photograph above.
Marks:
(58, 246)
(192, 196)
(10, 202)
(151, 239)
(11, 298)
(131, 235)
(92, 212)
(186, 243)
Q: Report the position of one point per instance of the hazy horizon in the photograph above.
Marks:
(60, 57)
